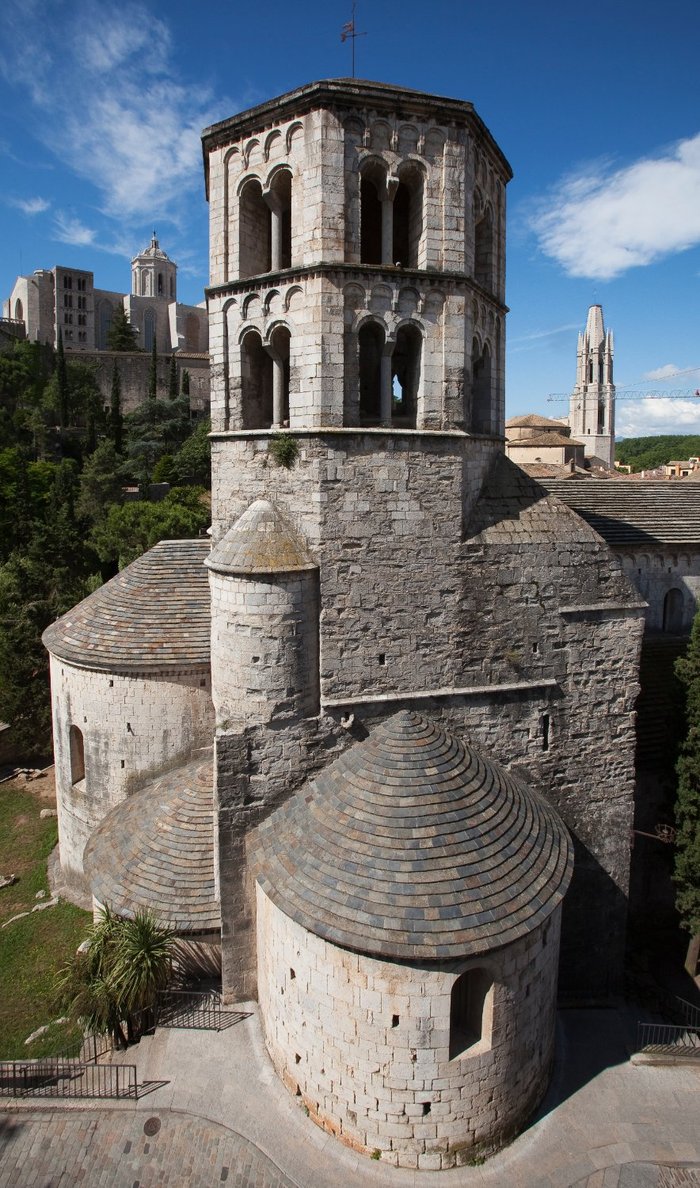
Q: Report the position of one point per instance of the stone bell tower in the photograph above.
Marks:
(592, 405)
(357, 308)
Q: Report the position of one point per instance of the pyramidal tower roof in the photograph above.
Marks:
(595, 330)
(413, 846)
(261, 541)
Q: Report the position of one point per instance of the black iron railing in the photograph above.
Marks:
(66, 1077)
(195, 1010)
(687, 1012)
(667, 1039)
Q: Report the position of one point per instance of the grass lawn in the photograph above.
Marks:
(34, 948)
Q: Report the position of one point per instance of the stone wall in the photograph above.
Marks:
(134, 376)
(655, 571)
(132, 726)
(365, 1043)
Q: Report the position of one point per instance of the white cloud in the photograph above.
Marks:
(662, 373)
(112, 106)
(30, 206)
(654, 415)
(602, 221)
(538, 334)
(70, 230)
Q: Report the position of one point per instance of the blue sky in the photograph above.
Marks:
(597, 107)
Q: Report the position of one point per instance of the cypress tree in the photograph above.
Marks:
(185, 383)
(61, 382)
(172, 379)
(153, 372)
(687, 862)
(116, 421)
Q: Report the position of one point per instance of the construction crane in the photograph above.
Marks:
(670, 394)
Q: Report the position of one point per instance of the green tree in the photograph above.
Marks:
(687, 860)
(156, 428)
(100, 483)
(116, 420)
(118, 976)
(185, 383)
(121, 335)
(172, 379)
(192, 462)
(153, 372)
(127, 531)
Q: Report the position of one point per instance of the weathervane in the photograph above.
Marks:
(349, 33)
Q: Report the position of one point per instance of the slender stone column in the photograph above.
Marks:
(275, 230)
(387, 230)
(277, 390)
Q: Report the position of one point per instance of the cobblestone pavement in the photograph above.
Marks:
(122, 1149)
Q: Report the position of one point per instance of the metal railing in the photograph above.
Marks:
(687, 1012)
(195, 1010)
(666, 1039)
(66, 1077)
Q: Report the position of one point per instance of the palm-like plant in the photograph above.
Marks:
(118, 976)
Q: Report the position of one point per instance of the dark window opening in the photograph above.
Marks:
(370, 223)
(405, 375)
(281, 209)
(426, 1108)
(394, 1020)
(483, 252)
(673, 612)
(255, 231)
(160, 284)
(77, 755)
(257, 381)
(408, 218)
(545, 732)
(371, 347)
(467, 1010)
(480, 420)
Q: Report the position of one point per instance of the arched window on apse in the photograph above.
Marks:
(77, 755)
(470, 1011)
(408, 217)
(480, 421)
(371, 340)
(483, 251)
(673, 612)
(405, 376)
(149, 329)
(256, 383)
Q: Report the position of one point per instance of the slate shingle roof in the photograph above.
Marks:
(629, 512)
(261, 541)
(412, 846)
(156, 850)
(153, 616)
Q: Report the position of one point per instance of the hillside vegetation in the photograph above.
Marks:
(646, 453)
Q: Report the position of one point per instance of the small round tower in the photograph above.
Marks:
(265, 614)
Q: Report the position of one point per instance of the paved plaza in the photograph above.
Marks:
(214, 1112)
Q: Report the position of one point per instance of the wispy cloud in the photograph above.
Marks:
(69, 229)
(30, 206)
(538, 334)
(656, 414)
(661, 373)
(135, 134)
(602, 221)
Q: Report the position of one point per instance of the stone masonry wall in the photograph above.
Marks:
(654, 572)
(365, 1043)
(133, 727)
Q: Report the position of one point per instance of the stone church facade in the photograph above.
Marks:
(394, 607)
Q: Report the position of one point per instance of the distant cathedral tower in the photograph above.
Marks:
(592, 406)
(153, 273)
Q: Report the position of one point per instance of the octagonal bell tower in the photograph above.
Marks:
(356, 305)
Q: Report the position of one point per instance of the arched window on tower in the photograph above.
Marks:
(371, 342)
(673, 612)
(256, 383)
(279, 203)
(480, 420)
(19, 311)
(104, 321)
(405, 376)
(172, 288)
(160, 284)
(408, 216)
(372, 191)
(483, 251)
(77, 755)
(279, 352)
(471, 1010)
(254, 230)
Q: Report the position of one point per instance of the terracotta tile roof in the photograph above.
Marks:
(411, 845)
(156, 850)
(627, 512)
(153, 616)
(534, 421)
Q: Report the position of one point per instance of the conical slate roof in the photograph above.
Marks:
(156, 851)
(153, 616)
(412, 846)
(261, 541)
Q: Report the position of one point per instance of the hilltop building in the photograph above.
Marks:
(534, 439)
(411, 672)
(66, 299)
